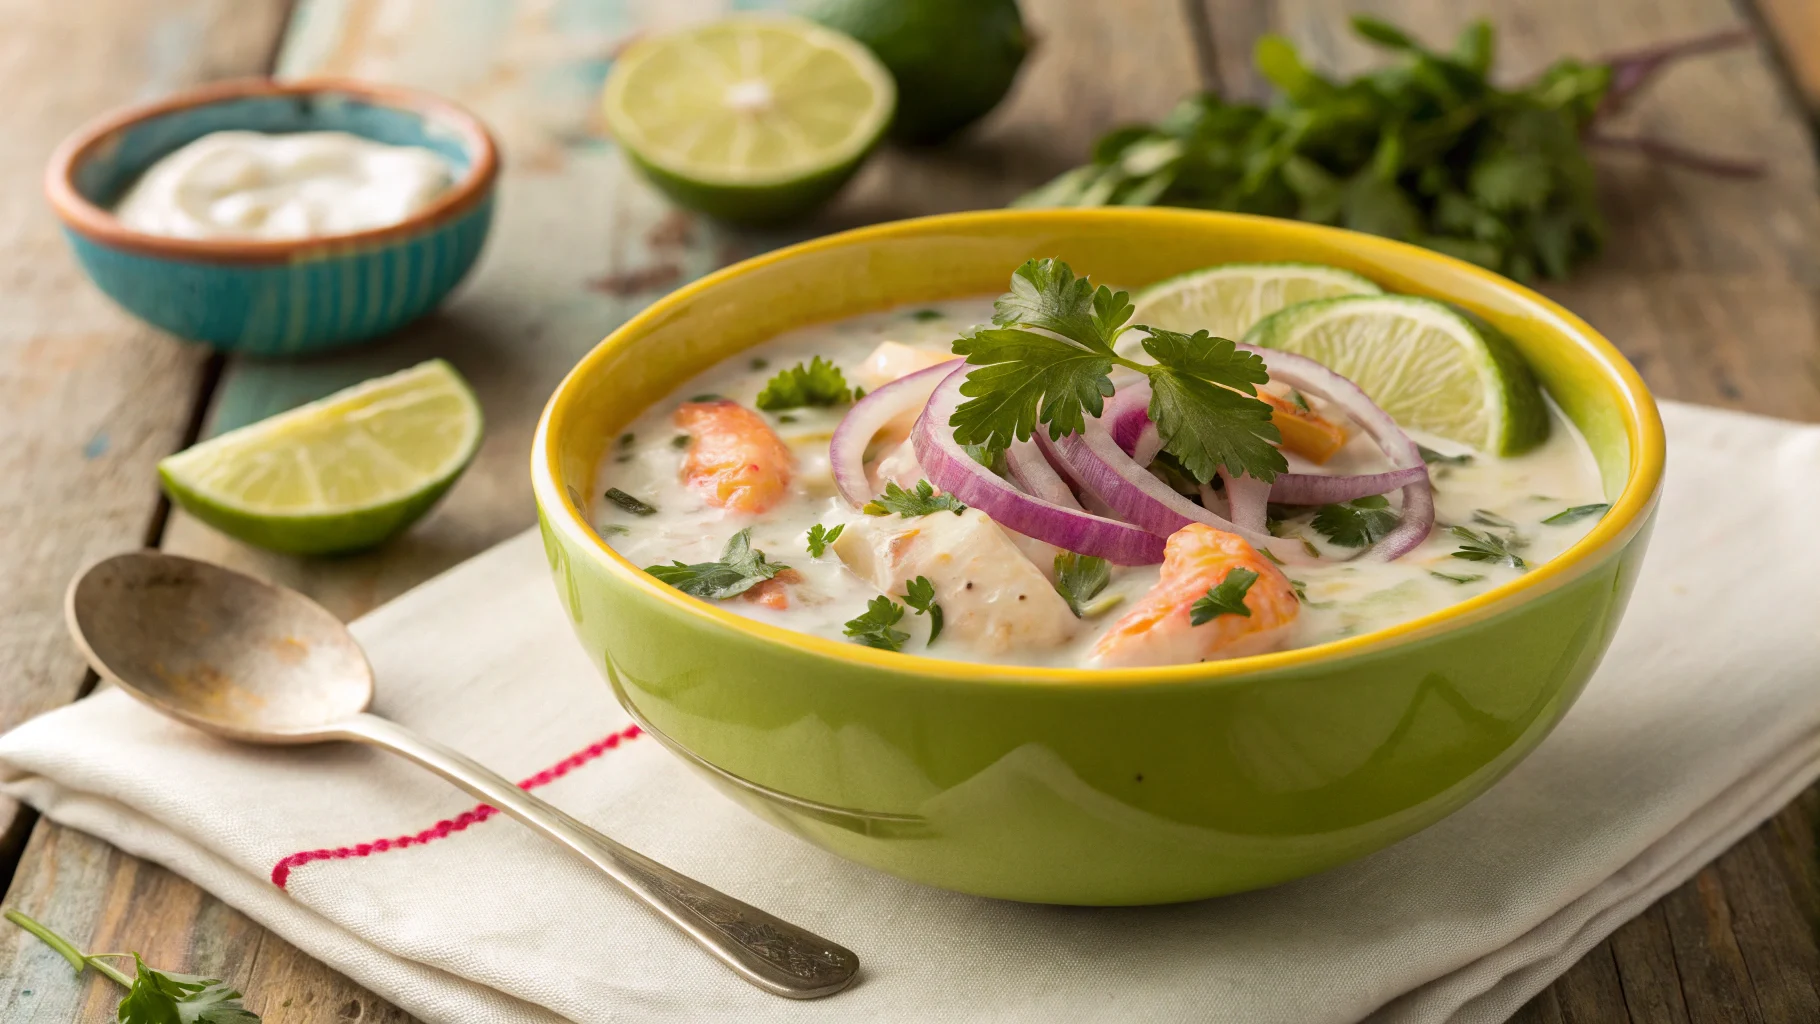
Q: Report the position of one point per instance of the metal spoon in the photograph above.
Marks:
(254, 662)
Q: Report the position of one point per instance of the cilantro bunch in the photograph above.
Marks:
(1428, 150)
(1047, 358)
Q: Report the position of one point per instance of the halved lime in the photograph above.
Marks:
(751, 118)
(339, 474)
(1429, 366)
(1226, 300)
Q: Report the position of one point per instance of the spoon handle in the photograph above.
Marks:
(773, 954)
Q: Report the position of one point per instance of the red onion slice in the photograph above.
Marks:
(954, 471)
(1418, 495)
(847, 448)
(1320, 489)
(1130, 490)
(1032, 471)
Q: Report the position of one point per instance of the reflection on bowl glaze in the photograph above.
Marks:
(1079, 786)
(276, 297)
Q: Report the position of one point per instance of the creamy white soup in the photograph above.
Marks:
(998, 590)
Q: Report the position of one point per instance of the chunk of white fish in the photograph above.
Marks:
(991, 595)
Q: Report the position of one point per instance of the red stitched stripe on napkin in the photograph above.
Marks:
(281, 871)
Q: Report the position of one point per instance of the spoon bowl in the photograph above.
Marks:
(226, 653)
(255, 662)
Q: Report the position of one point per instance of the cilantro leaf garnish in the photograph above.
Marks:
(1225, 598)
(1461, 578)
(1079, 579)
(1433, 458)
(920, 501)
(817, 383)
(1206, 425)
(874, 627)
(1024, 378)
(740, 569)
(919, 594)
(1577, 513)
(1487, 547)
(820, 538)
(1048, 360)
(1357, 523)
(1486, 517)
(153, 996)
(631, 504)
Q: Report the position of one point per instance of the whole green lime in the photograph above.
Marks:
(953, 59)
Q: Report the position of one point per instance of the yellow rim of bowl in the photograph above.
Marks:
(1642, 427)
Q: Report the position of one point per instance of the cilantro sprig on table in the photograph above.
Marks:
(739, 569)
(817, 383)
(1429, 150)
(920, 500)
(153, 996)
(1047, 359)
(1225, 598)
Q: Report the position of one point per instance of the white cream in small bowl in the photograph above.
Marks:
(255, 185)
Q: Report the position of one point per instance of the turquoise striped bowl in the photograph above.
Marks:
(276, 297)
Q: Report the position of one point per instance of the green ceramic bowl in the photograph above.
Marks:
(1069, 785)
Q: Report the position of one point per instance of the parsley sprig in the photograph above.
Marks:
(820, 538)
(1048, 356)
(152, 997)
(919, 594)
(1225, 598)
(1079, 579)
(873, 628)
(918, 501)
(818, 383)
(1488, 547)
(740, 569)
(1357, 523)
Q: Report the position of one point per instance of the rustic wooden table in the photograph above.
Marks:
(1711, 286)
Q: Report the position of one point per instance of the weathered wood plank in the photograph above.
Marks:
(1589, 993)
(89, 399)
(579, 246)
(1645, 958)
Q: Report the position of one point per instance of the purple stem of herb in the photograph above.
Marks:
(1632, 70)
(1669, 153)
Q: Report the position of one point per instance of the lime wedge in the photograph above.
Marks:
(1429, 366)
(339, 474)
(752, 118)
(1228, 299)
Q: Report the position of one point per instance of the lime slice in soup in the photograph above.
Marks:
(751, 118)
(1227, 300)
(1429, 366)
(339, 474)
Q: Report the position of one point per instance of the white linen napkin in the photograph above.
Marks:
(1704, 720)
